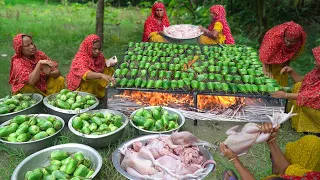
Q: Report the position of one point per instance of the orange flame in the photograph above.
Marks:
(207, 102)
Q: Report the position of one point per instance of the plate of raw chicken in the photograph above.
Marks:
(182, 31)
(164, 157)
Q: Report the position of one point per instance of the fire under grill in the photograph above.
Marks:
(213, 107)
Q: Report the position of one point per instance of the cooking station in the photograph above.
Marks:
(219, 83)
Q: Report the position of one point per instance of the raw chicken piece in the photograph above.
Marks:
(240, 142)
(141, 165)
(187, 139)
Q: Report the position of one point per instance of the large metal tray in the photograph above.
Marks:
(117, 156)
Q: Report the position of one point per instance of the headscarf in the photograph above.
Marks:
(22, 67)
(273, 49)
(152, 25)
(221, 17)
(84, 62)
(309, 94)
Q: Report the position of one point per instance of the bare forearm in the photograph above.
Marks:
(93, 75)
(265, 67)
(280, 161)
(296, 77)
(55, 73)
(244, 172)
(35, 75)
(292, 96)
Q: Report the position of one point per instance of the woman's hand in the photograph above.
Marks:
(46, 62)
(108, 78)
(286, 70)
(203, 29)
(279, 94)
(46, 69)
(268, 129)
(227, 152)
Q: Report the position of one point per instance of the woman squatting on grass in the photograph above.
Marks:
(32, 71)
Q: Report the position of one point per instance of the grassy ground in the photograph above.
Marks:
(59, 30)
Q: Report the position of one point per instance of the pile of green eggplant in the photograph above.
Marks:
(96, 123)
(23, 128)
(67, 99)
(64, 166)
(155, 119)
(232, 69)
(16, 103)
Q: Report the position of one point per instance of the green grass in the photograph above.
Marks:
(59, 30)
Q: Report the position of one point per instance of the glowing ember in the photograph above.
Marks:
(205, 102)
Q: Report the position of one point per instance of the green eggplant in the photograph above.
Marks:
(187, 82)
(124, 71)
(166, 84)
(130, 83)
(158, 125)
(150, 84)
(180, 84)
(211, 76)
(123, 82)
(168, 74)
(153, 73)
(164, 66)
(143, 84)
(191, 76)
(210, 86)
(137, 82)
(143, 73)
(158, 84)
(177, 74)
(149, 123)
(162, 74)
(211, 69)
(174, 84)
(194, 84)
(217, 86)
(133, 72)
(184, 75)
(202, 86)
(233, 87)
(177, 67)
(171, 67)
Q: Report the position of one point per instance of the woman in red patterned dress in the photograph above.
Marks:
(32, 71)
(280, 45)
(88, 71)
(218, 31)
(305, 97)
(153, 26)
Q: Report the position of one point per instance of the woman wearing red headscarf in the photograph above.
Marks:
(305, 97)
(280, 45)
(32, 71)
(88, 71)
(155, 23)
(218, 31)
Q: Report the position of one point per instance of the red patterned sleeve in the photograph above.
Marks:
(147, 30)
(20, 75)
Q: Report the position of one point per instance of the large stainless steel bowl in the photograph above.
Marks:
(99, 141)
(42, 159)
(34, 146)
(181, 121)
(36, 108)
(117, 157)
(66, 114)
